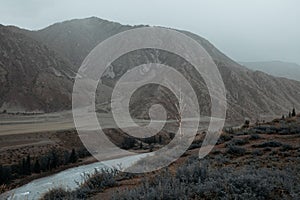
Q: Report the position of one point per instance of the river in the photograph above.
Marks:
(66, 179)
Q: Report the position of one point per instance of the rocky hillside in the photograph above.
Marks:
(74, 39)
(250, 93)
(33, 78)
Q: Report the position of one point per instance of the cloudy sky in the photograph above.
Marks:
(245, 30)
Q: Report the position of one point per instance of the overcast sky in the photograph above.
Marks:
(245, 30)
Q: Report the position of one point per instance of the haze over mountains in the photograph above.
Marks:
(276, 68)
(37, 70)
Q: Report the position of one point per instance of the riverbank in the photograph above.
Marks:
(70, 178)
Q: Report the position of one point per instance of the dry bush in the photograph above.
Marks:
(201, 181)
(4, 188)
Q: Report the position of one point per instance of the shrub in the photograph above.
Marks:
(224, 138)
(240, 142)
(128, 143)
(286, 147)
(235, 150)
(93, 183)
(195, 146)
(59, 194)
(254, 137)
(268, 144)
(99, 180)
(257, 153)
(267, 149)
(191, 173)
(3, 188)
(224, 183)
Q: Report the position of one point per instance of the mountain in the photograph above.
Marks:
(32, 77)
(276, 68)
(250, 93)
(74, 39)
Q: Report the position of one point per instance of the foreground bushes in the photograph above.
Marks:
(196, 181)
(236, 151)
(268, 144)
(58, 194)
(92, 184)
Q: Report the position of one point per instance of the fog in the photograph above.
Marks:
(245, 30)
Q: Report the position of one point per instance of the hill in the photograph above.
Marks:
(252, 94)
(33, 78)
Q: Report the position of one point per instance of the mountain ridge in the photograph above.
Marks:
(29, 71)
(250, 94)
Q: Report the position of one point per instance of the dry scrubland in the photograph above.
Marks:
(33, 146)
(257, 162)
(260, 162)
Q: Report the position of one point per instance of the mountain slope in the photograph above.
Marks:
(250, 94)
(276, 68)
(32, 77)
(74, 39)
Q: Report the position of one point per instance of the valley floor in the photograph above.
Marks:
(272, 147)
(259, 162)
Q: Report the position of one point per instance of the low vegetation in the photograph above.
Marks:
(200, 180)
(38, 165)
(245, 164)
(92, 184)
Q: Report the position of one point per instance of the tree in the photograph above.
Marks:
(294, 112)
(54, 164)
(73, 157)
(151, 148)
(5, 174)
(154, 140)
(141, 145)
(23, 167)
(246, 123)
(283, 117)
(66, 157)
(1, 175)
(28, 165)
(128, 143)
(48, 163)
(160, 139)
(37, 166)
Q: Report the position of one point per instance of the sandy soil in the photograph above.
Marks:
(20, 124)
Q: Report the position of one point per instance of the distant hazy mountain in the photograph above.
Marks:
(250, 94)
(276, 68)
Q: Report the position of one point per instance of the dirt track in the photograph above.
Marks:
(20, 124)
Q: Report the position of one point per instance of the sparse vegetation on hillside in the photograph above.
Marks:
(199, 180)
(258, 162)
